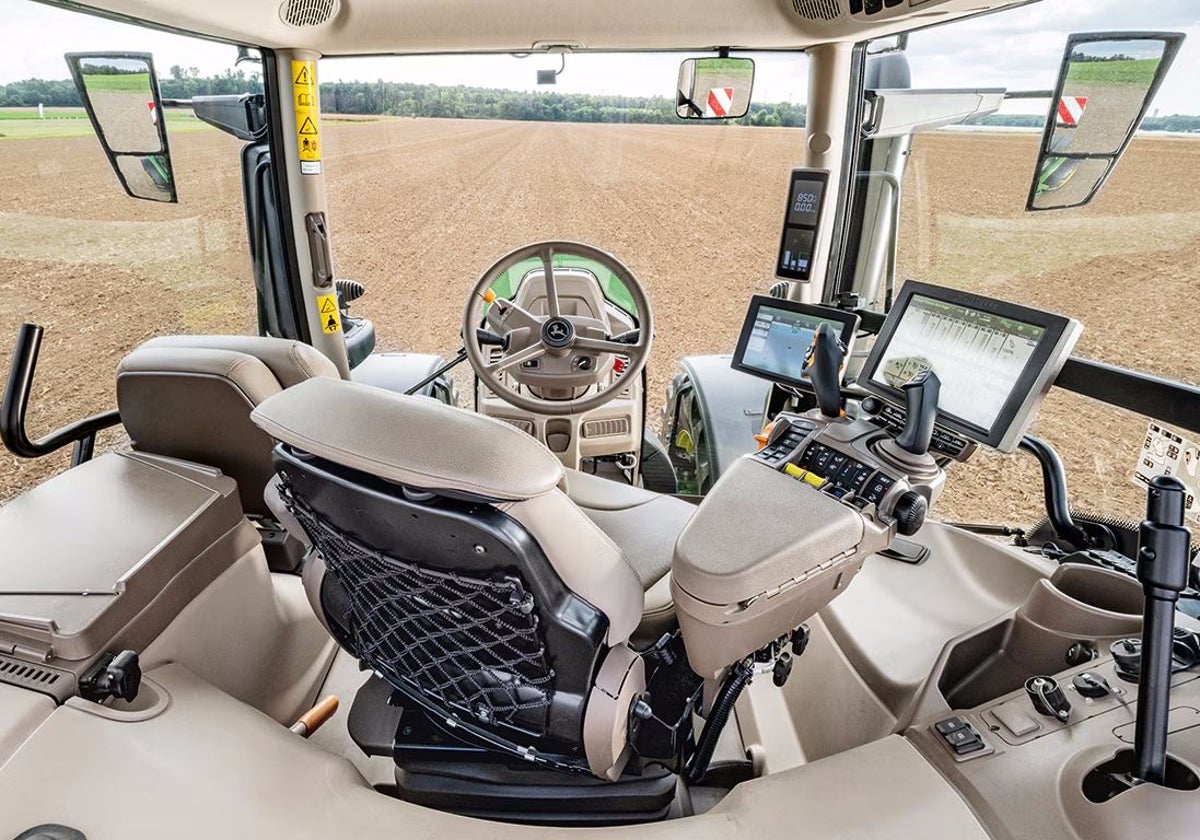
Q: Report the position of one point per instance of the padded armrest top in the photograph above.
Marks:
(415, 441)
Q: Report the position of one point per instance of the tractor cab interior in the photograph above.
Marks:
(524, 613)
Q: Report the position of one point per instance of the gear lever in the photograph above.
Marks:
(823, 367)
(920, 402)
(1162, 569)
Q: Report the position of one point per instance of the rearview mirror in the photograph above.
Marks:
(714, 88)
(1105, 85)
(120, 93)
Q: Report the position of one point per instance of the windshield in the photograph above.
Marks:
(438, 165)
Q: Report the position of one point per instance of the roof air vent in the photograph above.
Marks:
(307, 13)
(818, 9)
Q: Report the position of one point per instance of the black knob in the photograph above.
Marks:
(1047, 698)
(909, 512)
(122, 677)
(920, 404)
(1091, 685)
(823, 367)
(1127, 658)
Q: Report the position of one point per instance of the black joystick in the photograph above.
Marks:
(823, 367)
(920, 404)
(1162, 569)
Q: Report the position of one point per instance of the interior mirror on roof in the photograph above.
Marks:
(1105, 85)
(120, 93)
(714, 88)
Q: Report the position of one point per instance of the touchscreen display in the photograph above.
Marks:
(800, 224)
(779, 340)
(979, 356)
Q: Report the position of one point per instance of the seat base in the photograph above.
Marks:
(437, 770)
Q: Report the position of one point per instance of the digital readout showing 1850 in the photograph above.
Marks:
(800, 227)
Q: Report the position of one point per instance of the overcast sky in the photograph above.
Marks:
(1016, 49)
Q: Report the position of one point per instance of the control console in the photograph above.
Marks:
(843, 461)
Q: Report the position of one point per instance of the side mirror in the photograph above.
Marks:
(714, 88)
(1105, 85)
(120, 93)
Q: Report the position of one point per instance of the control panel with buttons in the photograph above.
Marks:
(839, 460)
(961, 738)
(944, 442)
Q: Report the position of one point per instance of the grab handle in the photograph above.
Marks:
(16, 402)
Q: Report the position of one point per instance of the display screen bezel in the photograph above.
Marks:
(848, 322)
(1042, 365)
(797, 176)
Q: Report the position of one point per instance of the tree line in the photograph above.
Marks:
(405, 99)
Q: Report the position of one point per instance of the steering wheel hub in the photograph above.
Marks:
(558, 332)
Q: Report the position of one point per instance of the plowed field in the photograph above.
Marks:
(419, 208)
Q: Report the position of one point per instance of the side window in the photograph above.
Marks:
(1125, 265)
(100, 271)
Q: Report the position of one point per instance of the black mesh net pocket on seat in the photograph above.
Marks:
(465, 643)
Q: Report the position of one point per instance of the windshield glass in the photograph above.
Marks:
(1124, 265)
(439, 165)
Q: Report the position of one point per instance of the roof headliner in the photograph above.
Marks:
(364, 27)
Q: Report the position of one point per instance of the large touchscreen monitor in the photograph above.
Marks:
(777, 333)
(995, 360)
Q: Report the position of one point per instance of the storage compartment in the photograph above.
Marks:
(1075, 608)
(763, 554)
(106, 554)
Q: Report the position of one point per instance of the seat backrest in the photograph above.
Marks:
(449, 561)
(190, 397)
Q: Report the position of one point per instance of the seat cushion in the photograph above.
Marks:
(644, 525)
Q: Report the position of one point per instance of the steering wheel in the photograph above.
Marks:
(564, 360)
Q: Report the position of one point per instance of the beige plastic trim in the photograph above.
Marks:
(307, 196)
(824, 140)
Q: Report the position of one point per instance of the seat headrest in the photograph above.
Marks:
(414, 441)
(290, 361)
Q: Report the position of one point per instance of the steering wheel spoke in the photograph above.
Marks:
(601, 345)
(520, 357)
(552, 308)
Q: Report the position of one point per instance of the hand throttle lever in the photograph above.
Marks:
(823, 367)
(920, 403)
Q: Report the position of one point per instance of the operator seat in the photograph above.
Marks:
(450, 562)
(190, 397)
(645, 526)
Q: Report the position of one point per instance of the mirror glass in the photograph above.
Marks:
(123, 103)
(120, 93)
(1103, 93)
(147, 176)
(1104, 87)
(714, 88)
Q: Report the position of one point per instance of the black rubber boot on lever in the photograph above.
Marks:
(823, 366)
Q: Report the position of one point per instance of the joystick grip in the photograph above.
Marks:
(920, 402)
(823, 366)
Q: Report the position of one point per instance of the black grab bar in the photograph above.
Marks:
(16, 401)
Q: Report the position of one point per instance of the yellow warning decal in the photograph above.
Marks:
(308, 131)
(331, 318)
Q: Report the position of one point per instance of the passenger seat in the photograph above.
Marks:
(190, 397)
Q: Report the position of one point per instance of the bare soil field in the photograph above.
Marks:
(419, 208)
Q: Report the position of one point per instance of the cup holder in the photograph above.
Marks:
(1086, 602)
(1115, 776)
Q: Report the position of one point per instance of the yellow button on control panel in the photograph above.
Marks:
(814, 479)
(794, 471)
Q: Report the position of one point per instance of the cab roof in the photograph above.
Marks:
(365, 27)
